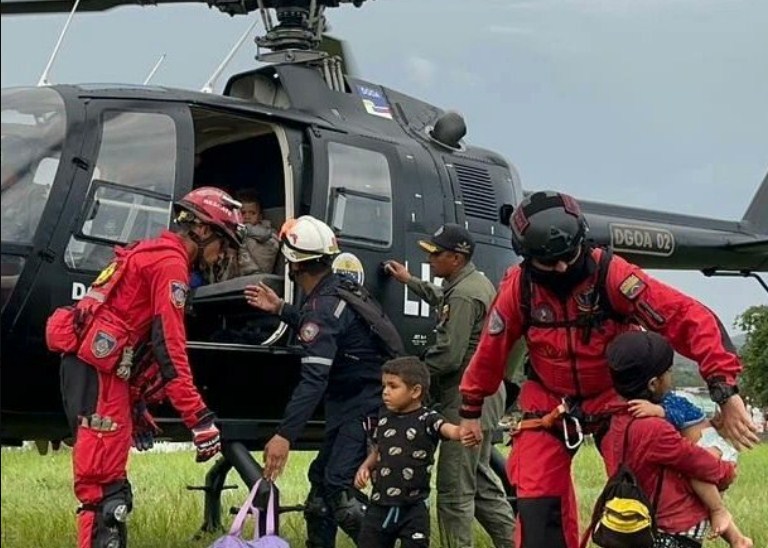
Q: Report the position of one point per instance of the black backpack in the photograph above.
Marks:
(368, 308)
(623, 516)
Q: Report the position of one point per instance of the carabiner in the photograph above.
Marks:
(577, 424)
(579, 433)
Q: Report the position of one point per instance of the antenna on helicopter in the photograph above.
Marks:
(154, 69)
(208, 87)
(44, 76)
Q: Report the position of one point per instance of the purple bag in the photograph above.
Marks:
(267, 539)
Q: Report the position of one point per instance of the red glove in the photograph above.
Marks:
(207, 441)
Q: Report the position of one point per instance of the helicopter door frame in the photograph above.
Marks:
(322, 204)
(94, 155)
(48, 236)
(361, 258)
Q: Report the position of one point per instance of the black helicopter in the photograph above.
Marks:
(87, 167)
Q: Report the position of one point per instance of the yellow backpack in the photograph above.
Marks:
(623, 516)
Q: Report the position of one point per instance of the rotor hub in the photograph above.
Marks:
(297, 29)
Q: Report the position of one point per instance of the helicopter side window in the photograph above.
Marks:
(33, 131)
(119, 215)
(131, 188)
(360, 189)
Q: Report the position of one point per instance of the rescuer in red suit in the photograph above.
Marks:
(136, 302)
(569, 300)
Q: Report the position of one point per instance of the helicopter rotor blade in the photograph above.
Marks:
(16, 7)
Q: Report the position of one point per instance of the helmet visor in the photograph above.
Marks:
(295, 255)
(568, 256)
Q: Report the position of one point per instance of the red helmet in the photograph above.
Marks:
(213, 206)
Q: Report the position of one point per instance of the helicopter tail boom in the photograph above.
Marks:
(658, 239)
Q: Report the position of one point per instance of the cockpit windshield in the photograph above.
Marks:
(33, 130)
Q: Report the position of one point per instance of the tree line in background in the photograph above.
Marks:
(754, 353)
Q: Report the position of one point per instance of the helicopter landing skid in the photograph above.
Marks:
(214, 485)
(234, 455)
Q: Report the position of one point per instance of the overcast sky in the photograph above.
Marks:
(651, 103)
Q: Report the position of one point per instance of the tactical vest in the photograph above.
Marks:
(363, 303)
(91, 329)
(68, 326)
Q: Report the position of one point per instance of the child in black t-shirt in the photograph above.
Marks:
(400, 463)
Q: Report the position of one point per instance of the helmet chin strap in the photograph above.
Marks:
(201, 244)
(295, 271)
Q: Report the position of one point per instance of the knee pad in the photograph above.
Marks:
(348, 508)
(112, 512)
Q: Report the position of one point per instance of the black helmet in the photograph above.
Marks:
(547, 225)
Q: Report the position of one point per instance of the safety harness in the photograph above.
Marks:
(568, 413)
(599, 305)
(564, 415)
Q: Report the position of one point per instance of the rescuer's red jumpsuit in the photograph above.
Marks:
(564, 365)
(137, 300)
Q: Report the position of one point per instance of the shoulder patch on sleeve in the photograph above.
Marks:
(632, 286)
(179, 292)
(105, 275)
(308, 331)
(496, 324)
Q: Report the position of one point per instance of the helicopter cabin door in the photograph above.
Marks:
(357, 189)
(136, 168)
(110, 180)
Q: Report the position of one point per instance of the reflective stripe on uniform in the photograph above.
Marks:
(96, 295)
(317, 360)
(340, 308)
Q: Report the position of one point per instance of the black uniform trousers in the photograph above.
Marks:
(333, 473)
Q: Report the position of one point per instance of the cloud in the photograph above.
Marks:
(421, 71)
(509, 29)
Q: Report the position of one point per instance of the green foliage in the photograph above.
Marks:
(685, 372)
(754, 321)
(38, 505)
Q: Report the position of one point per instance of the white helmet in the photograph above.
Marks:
(306, 239)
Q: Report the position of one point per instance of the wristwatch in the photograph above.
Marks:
(719, 392)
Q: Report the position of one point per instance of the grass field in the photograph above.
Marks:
(38, 505)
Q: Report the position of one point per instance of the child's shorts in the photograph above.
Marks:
(711, 438)
(693, 538)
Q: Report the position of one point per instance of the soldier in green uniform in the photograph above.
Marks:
(466, 485)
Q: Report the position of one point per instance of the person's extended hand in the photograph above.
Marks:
(262, 296)
(644, 408)
(397, 271)
(471, 432)
(207, 440)
(362, 477)
(736, 424)
(275, 456)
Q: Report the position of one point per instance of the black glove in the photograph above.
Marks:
(144, 427)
